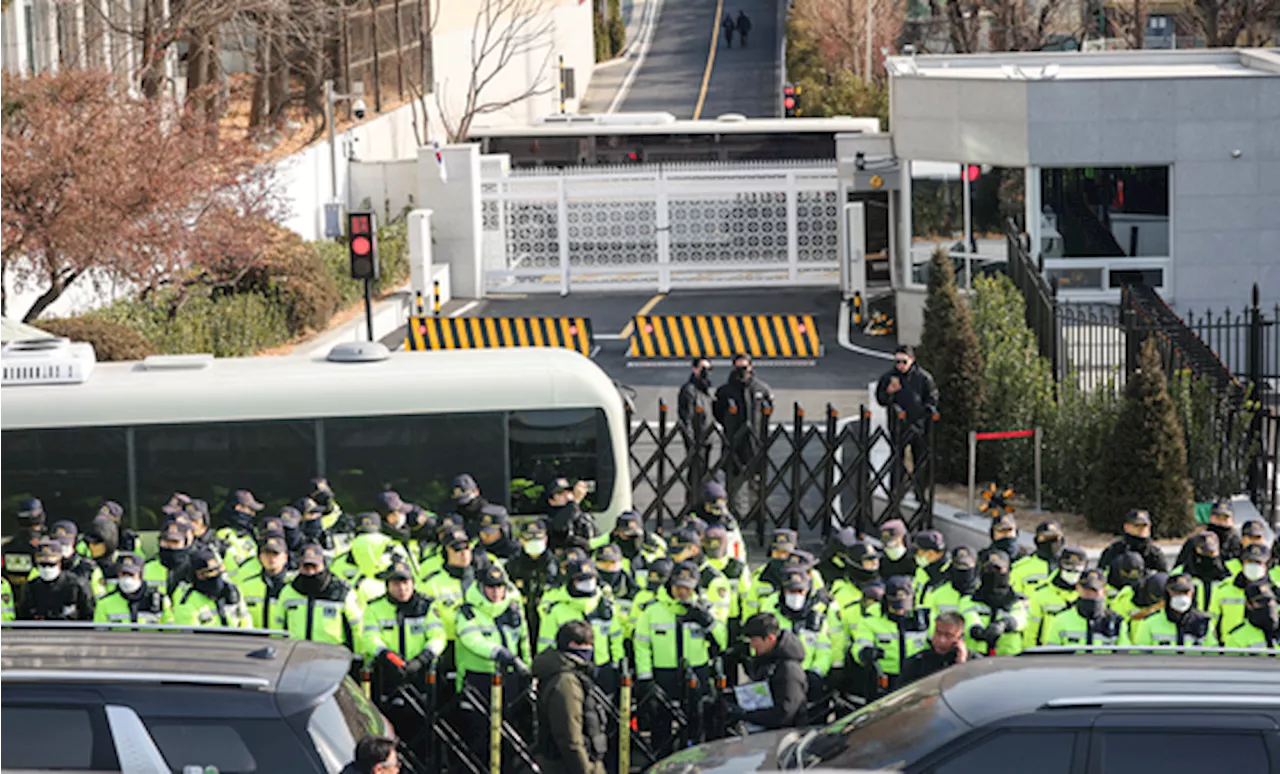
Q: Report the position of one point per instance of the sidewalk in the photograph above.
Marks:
(614, 76)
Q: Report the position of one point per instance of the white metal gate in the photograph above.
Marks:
(661, 226)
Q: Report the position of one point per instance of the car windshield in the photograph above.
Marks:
(887, 734)
(339, 721)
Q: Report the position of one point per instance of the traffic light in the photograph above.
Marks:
(362, 244)
(790, 101)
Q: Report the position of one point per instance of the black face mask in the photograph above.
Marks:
(210, 587)
(860, 575)
(1048, 549)
(964, 578)
(1009, 545)
(294, 538)
(1090, 608)
(311, 585)
(171, 557)
(611, 578)
(1264, 618)
(630, 545)
(1206, 565)
(1137, 543)
(240, 520)
(1221, 530)
(997, 581)
(312, 528)
(474, 507)
(741, 373)
(704, 377)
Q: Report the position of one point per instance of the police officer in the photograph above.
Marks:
(237, 530)
(394, 513)
(1181, 623)
(472, 506)
(587, 601)
(8, 611)
(127, 539)
(312, 527)
(19, 553)
(716, 547)
(261, 590)
(812, 617)
(133, 600)
(1222, 526)
(996, 614)
(66, 535)
(1228, 606)
(1031, 571)
(694, 418)
(370, 554)
(492, 637)
(834, 562)
(321, 607)
(534, 569)
(1252, 532)
(931, 563)
(776, 659)
(899, 630)
(496, 545)
(432, 555)
(566, 523)
(628, 534)
(1148, 600)
(713, 509)
(897, 557)
(614, 578)
(768, 578)
(1054, 595)
(171, 564)
(209, 599)
(1004, 538)
(1206, 569)
(686, 546)
(1136, 538)
(658, 574)
(54, 595)
(447, 588)
(290, 519)
(401, 620)
(101, 543)
(1123, 579)
(961, 581)
(1087, 621)
(333, 519)
(676, 639)
(1261, 625)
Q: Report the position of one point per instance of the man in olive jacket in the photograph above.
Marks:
(572, 726)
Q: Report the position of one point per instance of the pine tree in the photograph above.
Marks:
(1145, 463)
(949, 350)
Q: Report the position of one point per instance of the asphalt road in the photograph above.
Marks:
(838, 377)
(742, 80)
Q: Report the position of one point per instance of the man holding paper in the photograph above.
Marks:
(777, 697)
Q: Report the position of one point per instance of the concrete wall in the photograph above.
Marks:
(960, 120)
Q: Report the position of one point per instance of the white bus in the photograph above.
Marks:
(76, 432)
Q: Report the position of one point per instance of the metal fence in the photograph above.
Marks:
(810, 476)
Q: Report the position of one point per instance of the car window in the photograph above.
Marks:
(62, 738)
(1182, 752)
(1029, 751)
(202, 745)
(339, 721)
(899, 729)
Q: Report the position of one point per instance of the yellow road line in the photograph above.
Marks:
(711, 59)
(647, 308)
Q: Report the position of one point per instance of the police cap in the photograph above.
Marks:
(783, 539)
(893, 528)
(465, 489)
(197, 509)
(628, 524)
(1223, 508)
(717, 537)
(1253, 528)
(386, 502)
(1254, 552)
(313, 555)
(129, 563)
(801, 558)
(1205, 544)
(111, 509)
(660, 571)
(178, 502)
(368, 523)
(1093, 579)
(206, 563)
(685, 574)
(845, 538)
(580, 569)
(574, 554)
(534, 530)
(683, 538)
(400, 570)
(65, 532)
(273, 543)
(49, 551)
(996, 561)
(176, 530)
(271, 524)
(795, 579)
(291, 517)
(1180, 584)
(1003, 523)
(964, 557)
(1138, 517)
(898, 588)
(457, 540)
(694, 524)
(244, 498)
(1073, 559)
(609, 553)
(558, 485)
(1260, 591)
(493, 576)
(863, 550)
(1129, 561)
(931, 540)
(499, 520)
(1049, 529)
(712, 491)
(873, 590)
(760, 625)
(308, 507)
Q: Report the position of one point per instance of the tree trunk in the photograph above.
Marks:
(197, 69)
(216, 77)
(260, 104)
(57, 286)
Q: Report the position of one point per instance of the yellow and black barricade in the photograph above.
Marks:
(772, 336)
(437, 333)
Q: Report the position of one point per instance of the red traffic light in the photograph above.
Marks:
(361, 245)
(972, 171)
(789, 103)
(789, 90)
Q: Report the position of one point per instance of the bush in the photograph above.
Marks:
(393, 261)
(225, 325)
(601, 39)
(949, 350)
(110, 340)
(296, 277)
(1145, 463)
(617, 36)
(1017, 381)
(1076, 430)
(1217, 433)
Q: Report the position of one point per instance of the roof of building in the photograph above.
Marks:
(1081, 66)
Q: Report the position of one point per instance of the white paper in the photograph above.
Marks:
(754, 696)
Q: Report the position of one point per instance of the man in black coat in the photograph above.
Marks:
(909, 389)
(946, 648)
(1137, 538)
(694, 411)
(740, 409)
(777, 659)
(55, 595)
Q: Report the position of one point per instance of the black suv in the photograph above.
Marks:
(154, 702)
(1119, 713)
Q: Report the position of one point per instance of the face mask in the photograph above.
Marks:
(1180, 603)
(611, 578)
(535, 548)
(794, 601)
(586, 654)
(311, 584)
(585, 587)
(922, 560)
(741, 372)
(1254, 571)
(895, 552)
(1048, 549)
(210, 587)
(1206, 563)
(963, 578)
(1007, 544)
(129, 584)
(996, 580)
(312, 528)
(1134, 541)
(1089, 608)
(170, 557)
(67, 551)
(1070, 577)
(50, 573)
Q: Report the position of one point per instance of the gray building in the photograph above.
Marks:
(1162, 166)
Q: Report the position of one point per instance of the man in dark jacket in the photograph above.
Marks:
(572, 719)
(740, 409)
(55, 595)
(694, 411)
(1136, 538)
(374, 755)
(777, 659)
(909, 389)
(726, 24)
(946, 648)
(472, 505)
(743, 26)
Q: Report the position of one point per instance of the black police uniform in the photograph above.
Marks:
(66, 598)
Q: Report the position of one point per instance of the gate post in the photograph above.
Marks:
(829, 473)
(663, 227)
(793, 236)
(562, 230)
(797, 442)
(865, 514)
(660, 489)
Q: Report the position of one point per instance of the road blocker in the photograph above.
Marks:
(438, 333)
(762, 336)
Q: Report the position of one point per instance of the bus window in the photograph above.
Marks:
(416, 455)
(573, 443)
(71, 470)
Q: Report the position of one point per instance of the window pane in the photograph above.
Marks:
(900, 728)
(1181, 752)
(1102, 212)
(339, 722)
(46, 738)
(1018, 752)
(417, 456)
(70, 470)
(274, 460)
(573, 443)
(203, 745)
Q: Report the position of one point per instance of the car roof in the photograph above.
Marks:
(985, 690)
(300, 673)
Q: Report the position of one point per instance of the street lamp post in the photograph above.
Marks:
(331, 98)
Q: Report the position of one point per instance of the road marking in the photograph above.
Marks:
(467, 307)
(651, 10)
(711, 59)
(842, 336)
(647, 308)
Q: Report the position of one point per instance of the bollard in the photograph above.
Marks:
(419, 304)
(624, 722)
(857, 308)
(495, 725)
(435, 292)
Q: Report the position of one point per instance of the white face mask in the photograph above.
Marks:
(1254, 571)
(642, 578)
(922, 560)
(895, 552)
(535, 548)
(1180, 603)
(1070, 577)
(50, 572)
(67, 550)
(129, 584)
(794, 601)
(587, 586)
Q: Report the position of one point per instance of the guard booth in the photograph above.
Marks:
(869, 181)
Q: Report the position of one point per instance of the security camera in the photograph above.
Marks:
(358, 108)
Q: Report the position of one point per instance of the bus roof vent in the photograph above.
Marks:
(177, 362)
(47, 361)
(359, 352)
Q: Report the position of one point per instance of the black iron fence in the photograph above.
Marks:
(810, 476)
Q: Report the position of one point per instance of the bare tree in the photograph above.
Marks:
(504, 30)
(1226, 23)
(839, 30)
(1008, 25)
(1128, 22)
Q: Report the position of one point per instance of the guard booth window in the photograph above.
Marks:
(71, 471)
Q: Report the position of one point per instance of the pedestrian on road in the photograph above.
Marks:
(727, 25)
(743, 26)
(694, 409)
(909, 389)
